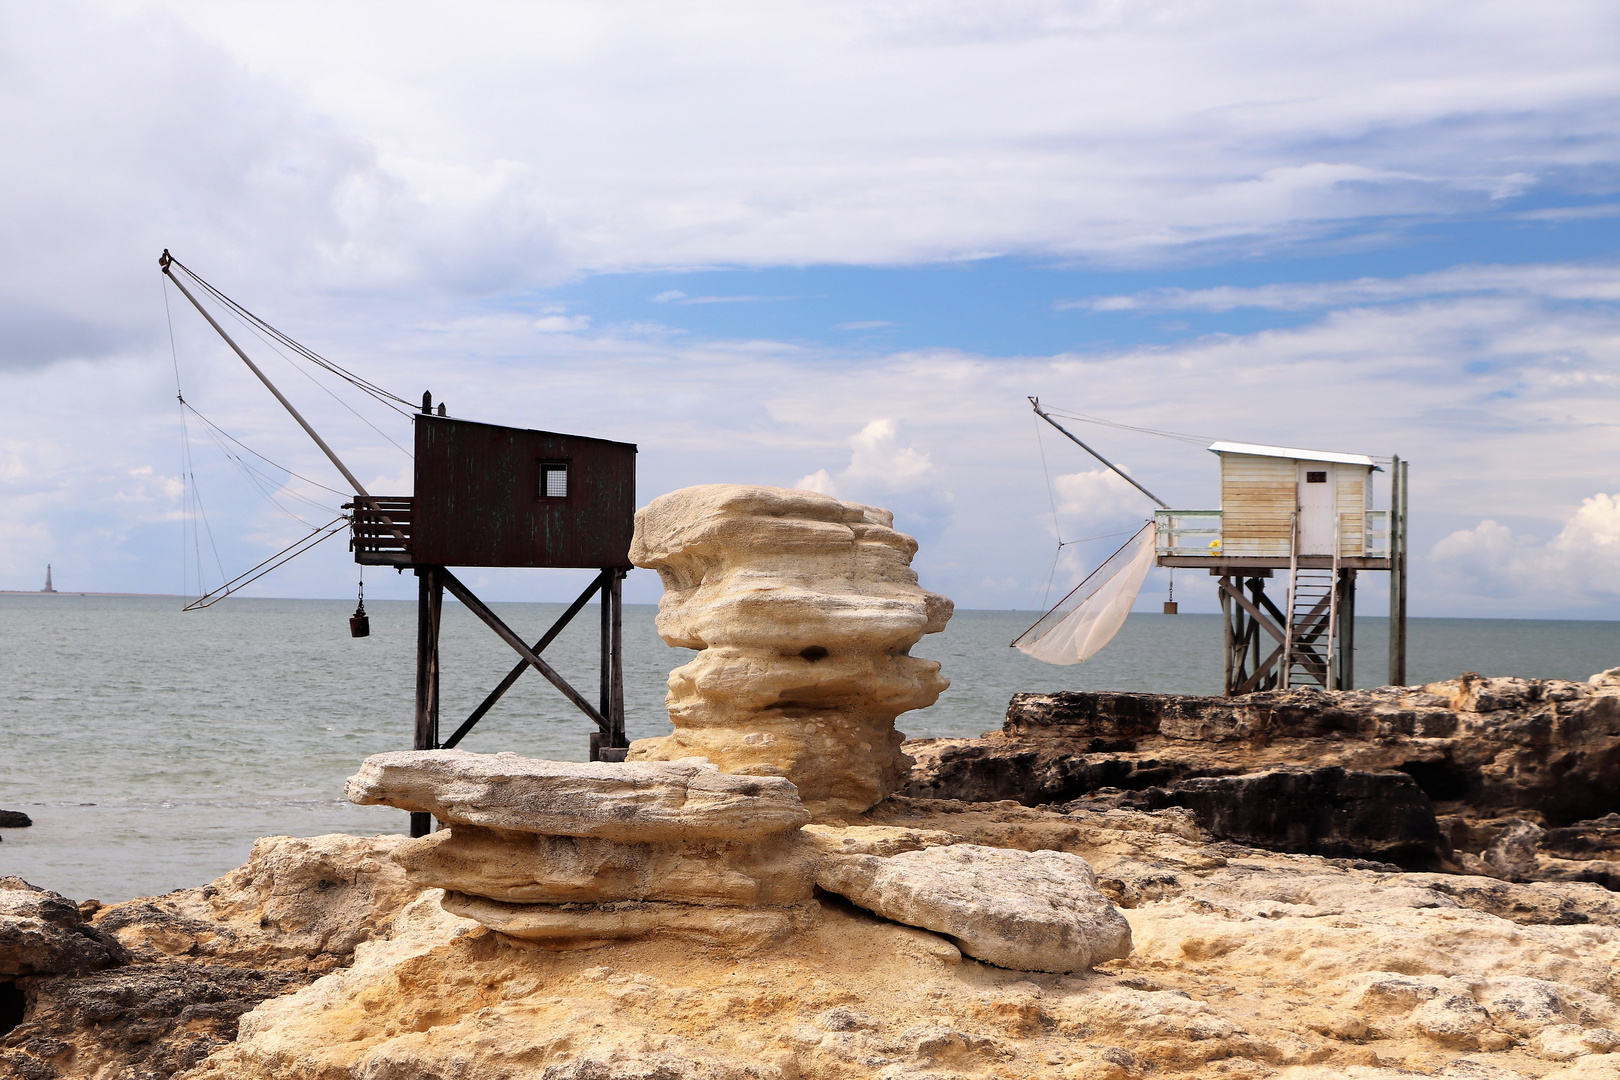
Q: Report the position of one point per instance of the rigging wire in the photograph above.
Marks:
(326, 389)
(309, 354)
(261, 457)
(1057, 525)
(256, 476)
(191, 492)
(1180, 436)
(259, 480)
(280, 558)
(1057, 528)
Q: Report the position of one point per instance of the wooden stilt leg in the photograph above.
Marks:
(429, 595)
(616, 683)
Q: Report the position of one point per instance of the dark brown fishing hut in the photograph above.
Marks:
(488, 495)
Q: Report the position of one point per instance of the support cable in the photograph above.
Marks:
(311, 355)
(191, 492)
(280, 558)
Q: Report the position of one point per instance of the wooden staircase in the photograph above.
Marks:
(1313, 621)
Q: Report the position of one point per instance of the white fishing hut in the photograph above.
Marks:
(1308, 513)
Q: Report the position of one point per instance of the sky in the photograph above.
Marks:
(826, 245)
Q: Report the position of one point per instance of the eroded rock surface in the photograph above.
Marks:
(1246, 964)
(804, 609)
(1031, 911)
(44, 933)
(1481, 752)
(191, 962)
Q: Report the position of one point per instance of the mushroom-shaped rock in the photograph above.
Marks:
(1027, 910)
(805, 609)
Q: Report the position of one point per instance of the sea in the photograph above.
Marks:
(152, 746)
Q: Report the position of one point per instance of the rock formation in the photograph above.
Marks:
(44, 933)
(1422, 776)
(1247, 964)
(1032, 911)
(570, 854)
(163, 980)
(804, 609)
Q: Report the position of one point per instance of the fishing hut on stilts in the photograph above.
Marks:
(484, 496)
(1303, 519)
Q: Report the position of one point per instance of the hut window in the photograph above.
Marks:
(1316, 477)
(554, 479)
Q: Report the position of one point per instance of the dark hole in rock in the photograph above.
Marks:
(12, 1006)
(814, 653)
(1440, 780)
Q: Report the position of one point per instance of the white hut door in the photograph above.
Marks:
(1316, 506)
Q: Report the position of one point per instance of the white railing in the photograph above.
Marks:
(1376, 534)
(1187, 532)
(1198, 533)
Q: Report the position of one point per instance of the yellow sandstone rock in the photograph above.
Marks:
(804, 609)
(1247, 964)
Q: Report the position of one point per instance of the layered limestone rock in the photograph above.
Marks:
(1246, 964)
(188, 964)
(804, 609)
(573, 854)
(1032, 911)
(1422, 776)
(678, 800)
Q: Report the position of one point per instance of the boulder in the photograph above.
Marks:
(1027, 910)
(804, 610)
(43, 933)
(14, 819)
(642, 801)
(198, 959)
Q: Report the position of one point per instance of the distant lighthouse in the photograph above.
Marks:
(48, 586)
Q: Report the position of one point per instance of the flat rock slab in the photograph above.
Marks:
(631, 801)
(1026, 910)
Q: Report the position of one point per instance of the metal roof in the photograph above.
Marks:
(1291, 452)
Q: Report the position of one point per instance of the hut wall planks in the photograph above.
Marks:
(482, 497)
(1257, 504)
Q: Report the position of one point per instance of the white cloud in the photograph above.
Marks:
(1555, 281)
(1578, 567)
(879, 459)
(1505, 406)
(323, 158)
(819, 481)
(562, 324)
(1098, 496)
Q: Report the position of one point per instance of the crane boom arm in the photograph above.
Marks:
(1042, 413)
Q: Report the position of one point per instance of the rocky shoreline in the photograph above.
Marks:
(1370, 885)
(320, 959)
(1511, 778)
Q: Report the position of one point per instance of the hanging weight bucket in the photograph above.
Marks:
(360, 622)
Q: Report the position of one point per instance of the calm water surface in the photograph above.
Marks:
(151, 747)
